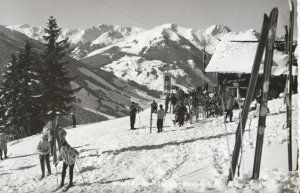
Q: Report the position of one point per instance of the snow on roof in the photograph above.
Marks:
(238, 57)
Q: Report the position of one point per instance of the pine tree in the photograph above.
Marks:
(10, 95)
(30, 94)
(19, 92)
(57, 92)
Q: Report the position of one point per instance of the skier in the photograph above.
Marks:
(44, 149)
(61, 133)
(153, 107)
(74, 120)
(229, 103)
(173, 101)
(3, 145)
(160, 118)
(67, 155)
(133, 111)
(181, 113)
(167, 101)
(180, 95)
(22, 132)
(47, 130)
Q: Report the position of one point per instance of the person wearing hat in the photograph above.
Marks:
(68, 155)
(73, 120)
(182, 110)
(153, 107)
(61, 133)
(3, 145)
(44, 149)
(48, 130)
(133, 111)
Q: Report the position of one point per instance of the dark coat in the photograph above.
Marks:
(133, 110)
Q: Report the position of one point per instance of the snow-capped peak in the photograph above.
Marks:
(26, 25)
(215, 30)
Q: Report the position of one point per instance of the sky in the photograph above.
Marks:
(238, 15)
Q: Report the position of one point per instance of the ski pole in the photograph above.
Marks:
(56, 176)
(139, 121)
(79, 171)
(242, 146)
(228, 148)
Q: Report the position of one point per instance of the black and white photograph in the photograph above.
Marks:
(149, 96)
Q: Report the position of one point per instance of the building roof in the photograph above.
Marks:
(238, 57)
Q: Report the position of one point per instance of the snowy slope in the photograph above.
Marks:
(149, 54)
(144, 72)
(193, 158)
(154, 37)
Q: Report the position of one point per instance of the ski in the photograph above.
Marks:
(263, 111)
(251, 88)
(289, 79)
(151, 119)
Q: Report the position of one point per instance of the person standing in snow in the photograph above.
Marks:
(133, 111)
(167, 101)
(3, 141)
(73, 120)
(44, 149)
(68, 155)
(229, 103)
(22, 132)
(61, 136)
(173, 101)
(47, 130)
(182, 110)
(153, 107)
(160, 118)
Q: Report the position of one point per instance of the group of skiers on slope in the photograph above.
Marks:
(45, 148)
(195, 103)
(134, 109)
(200, 103)
(67, 154)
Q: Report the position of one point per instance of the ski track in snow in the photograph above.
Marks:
(193, 158)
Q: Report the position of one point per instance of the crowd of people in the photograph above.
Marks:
(194, 104)
(199, 103)
(46, 148)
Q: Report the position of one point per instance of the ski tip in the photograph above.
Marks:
(291, 4)
(266, 17)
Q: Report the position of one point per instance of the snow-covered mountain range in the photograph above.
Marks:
(84, 41)
(138, 58)
(143, 56)
(102, 93)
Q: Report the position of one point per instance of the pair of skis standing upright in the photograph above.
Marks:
(266, 44)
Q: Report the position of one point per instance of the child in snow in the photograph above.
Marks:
(67, 155)
(61, 136)
(3, 145)
(44, 149)
(47, 130)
